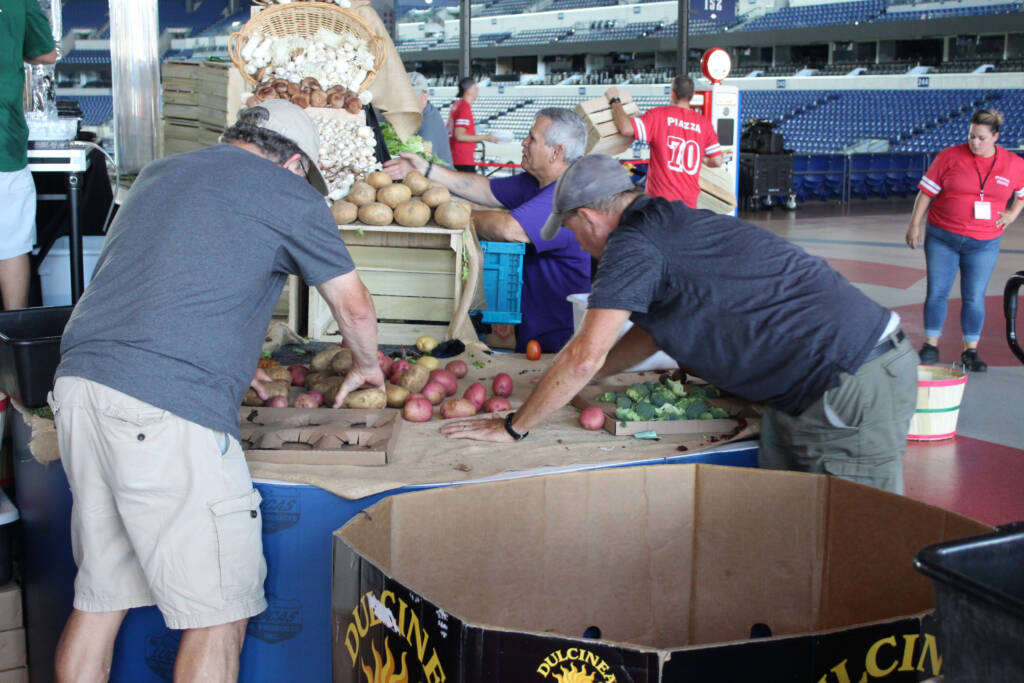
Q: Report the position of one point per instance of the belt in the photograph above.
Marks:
(885, 346)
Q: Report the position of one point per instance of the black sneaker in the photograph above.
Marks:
(929, 354)
(969, 359)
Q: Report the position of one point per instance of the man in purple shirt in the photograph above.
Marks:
(517, 208)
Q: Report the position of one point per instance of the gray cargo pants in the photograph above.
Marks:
(857, 430)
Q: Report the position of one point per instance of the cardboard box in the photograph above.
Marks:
(10, 607)
(12, 649)
(674, 565)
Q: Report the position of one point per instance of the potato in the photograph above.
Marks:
(366, 398)
(475, 393)
(314, 377)
(457, 368)
(305, 401)
(251, 398)
(277, 402)
(451, 215)
(396, 395)
(330, 392)
(498, 404)
(322, 360)
(413, 379)
(429, 362)
(342, 361)
(327, 388)
(376, 213)
(436, 195)
(417, 182)
(412, 214)
(393, 195)
(457, 407)
(502, 385)
(279, 373)
(344, 212)
(592, 418)
(446, 379)
(435, 392)
(278, 387)
(417, 409)
(361, 193)
(378, 179)
(299, 373)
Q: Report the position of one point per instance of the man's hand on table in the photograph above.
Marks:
(488, 429)
(359, 378)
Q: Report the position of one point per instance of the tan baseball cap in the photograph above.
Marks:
(290, 121)
(589, 178)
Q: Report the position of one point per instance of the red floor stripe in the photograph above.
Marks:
(865, 272)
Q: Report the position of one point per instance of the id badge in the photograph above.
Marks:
(983, 211)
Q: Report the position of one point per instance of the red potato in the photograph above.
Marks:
(397, 367)
(385, 362)
(417, 409)
(497, 404)
(435, 392)
(299, 373)
(277, 402)
(592, 418)
(475, 393)
(316, 396)
(457, 368)
(502, 385)
(457, 407)
(446, 379)
(306, 401)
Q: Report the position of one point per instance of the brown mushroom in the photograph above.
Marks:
(307, 83)
(301, 100)
(266, 92)
(318, 98)
(293, 90)
(352, 104)
(280, 85)
(337, 100)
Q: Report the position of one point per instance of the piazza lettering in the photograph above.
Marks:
(885, 657)
(685, 125)
(576, 654)
(407, 625)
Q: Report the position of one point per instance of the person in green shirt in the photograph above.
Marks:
(24, 38)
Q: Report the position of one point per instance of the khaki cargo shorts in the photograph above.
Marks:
(163, 511)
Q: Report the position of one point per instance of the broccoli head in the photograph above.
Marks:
(675, 386)
(705, 416)
(638, 392)
(695, 409)
(662, 395)
(626, 415)
(621, 401)
(606, 397)
(645, 410)
(668, 411)
(718, 413)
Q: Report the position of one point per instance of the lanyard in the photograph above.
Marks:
(982, 182)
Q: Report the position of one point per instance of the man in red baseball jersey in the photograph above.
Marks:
(680, 140)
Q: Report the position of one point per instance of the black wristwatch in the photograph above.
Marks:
(511, 432)
(615, 100)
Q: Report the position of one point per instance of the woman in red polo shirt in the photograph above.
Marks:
(462, 137)
(964, 194)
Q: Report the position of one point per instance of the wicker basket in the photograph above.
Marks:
(304, 19)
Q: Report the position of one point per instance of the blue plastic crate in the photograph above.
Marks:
(503, 282)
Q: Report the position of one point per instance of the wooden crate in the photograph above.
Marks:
(602, 135)
(716, 189)
(289, 307)
(200, 100)
(414, 275)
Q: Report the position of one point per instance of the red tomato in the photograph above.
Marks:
(533, 350)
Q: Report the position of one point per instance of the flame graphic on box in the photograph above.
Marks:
(385, 672)
(574, 675)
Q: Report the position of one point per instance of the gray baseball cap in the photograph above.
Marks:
(418, 82)
(290, 121)
(589, 178)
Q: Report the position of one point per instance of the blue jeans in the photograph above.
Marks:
(946, 253)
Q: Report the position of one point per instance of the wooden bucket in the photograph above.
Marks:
(939, 393)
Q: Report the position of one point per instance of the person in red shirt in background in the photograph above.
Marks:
(962, 193)
(680, 140)
(462, 137)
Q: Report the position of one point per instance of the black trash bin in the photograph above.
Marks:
(979, 601)
(30, 351)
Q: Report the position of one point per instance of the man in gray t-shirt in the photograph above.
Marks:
(433, 128)
(155, 360)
